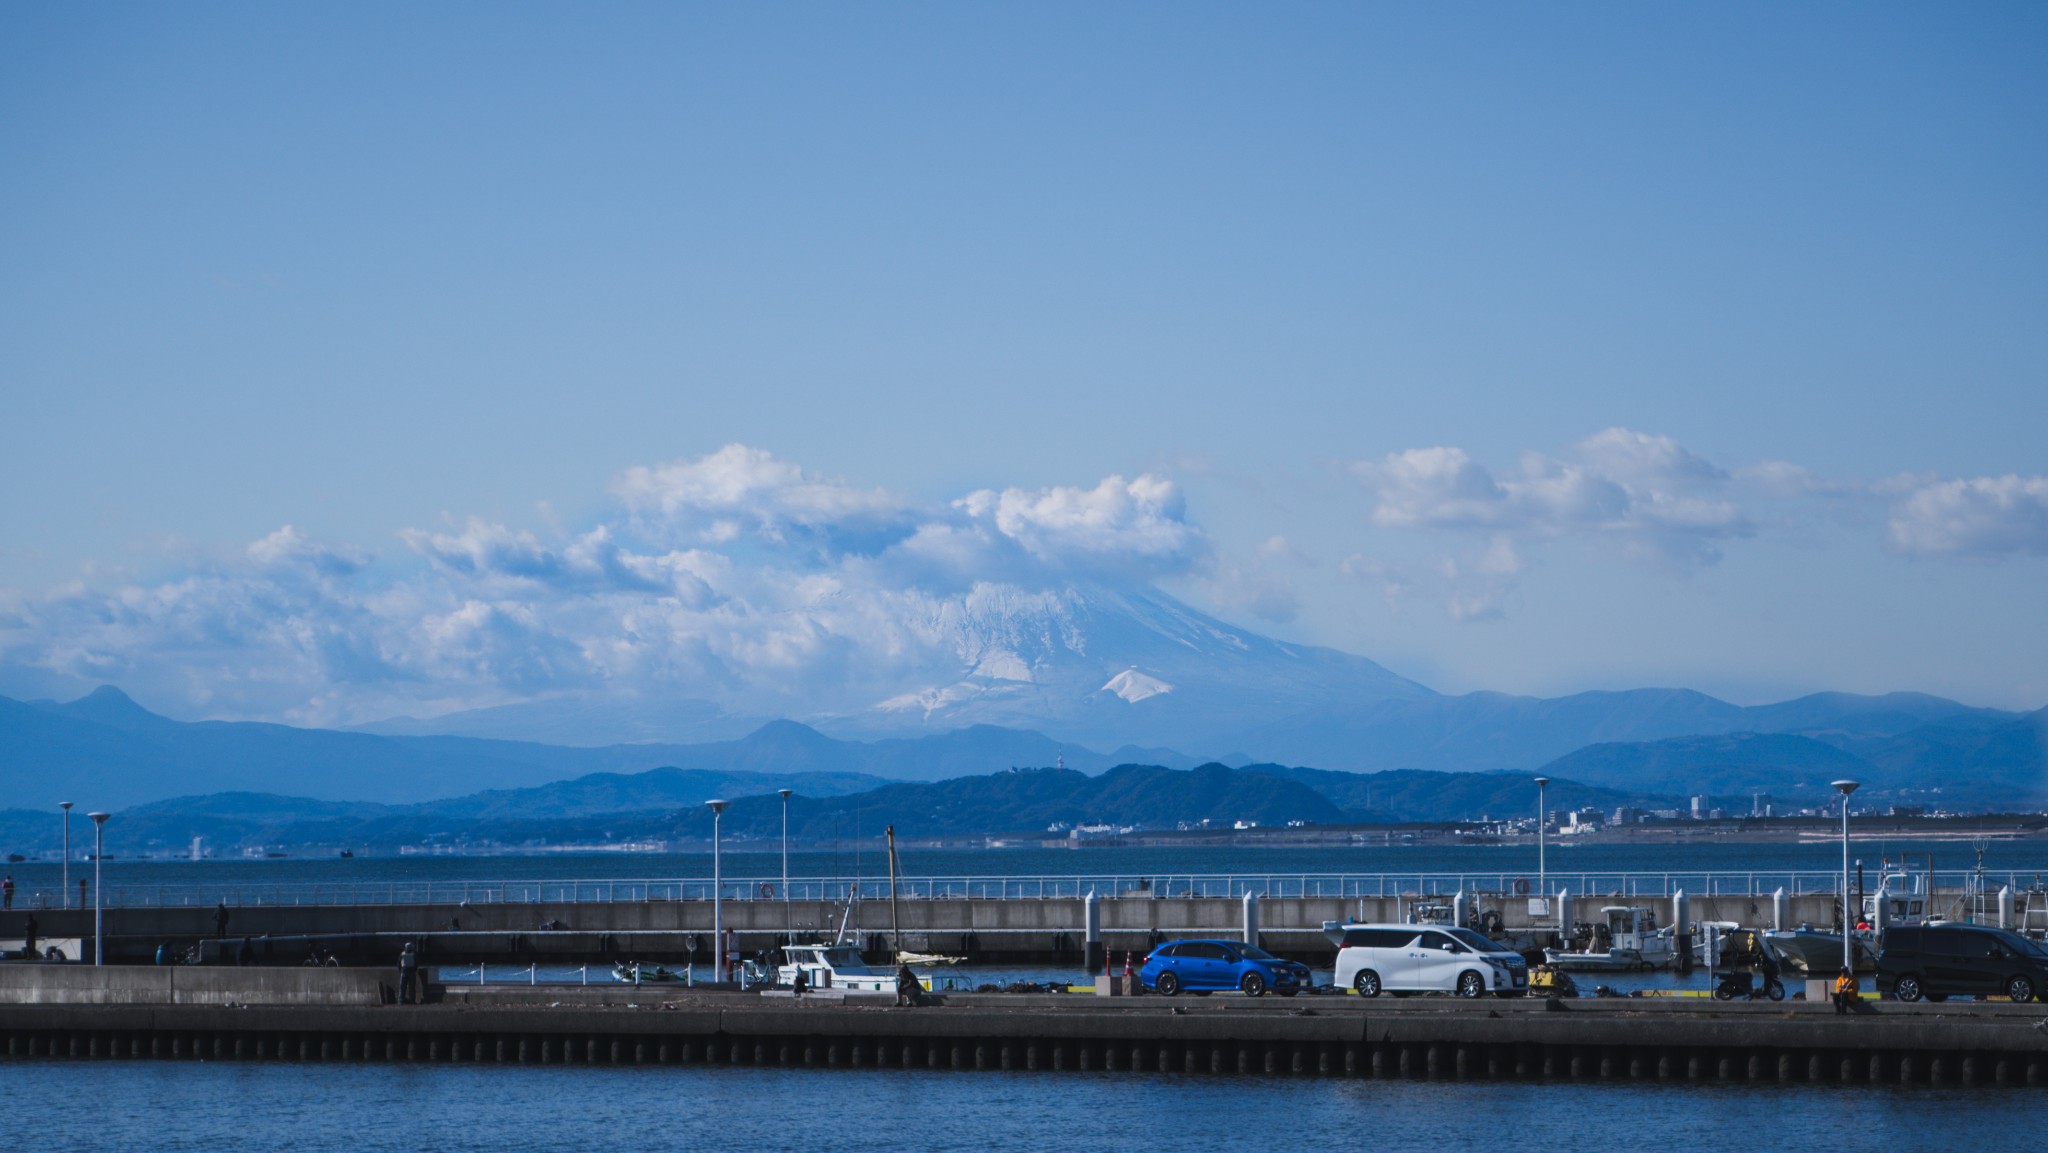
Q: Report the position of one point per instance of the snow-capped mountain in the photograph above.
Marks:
(1089, 664)
(1111, 668)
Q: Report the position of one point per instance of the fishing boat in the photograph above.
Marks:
(832, 967)
(1627, 941)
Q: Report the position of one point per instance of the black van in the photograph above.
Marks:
(1940, 961)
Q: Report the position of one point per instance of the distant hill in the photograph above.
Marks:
(1423, 795)
(1496, 731)
(1736, 763)
(105, 750)
(1970, 763)
(668, 804)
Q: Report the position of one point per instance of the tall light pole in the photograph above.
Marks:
(99, 851)
(64, 886)
(1542, 877)
(1848, 919)
(788, 917)
(717, 884)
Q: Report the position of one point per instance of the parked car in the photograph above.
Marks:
(1202, 967)
(1936, 962)
(1372, 959)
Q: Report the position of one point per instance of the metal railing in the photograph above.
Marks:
(457, 893)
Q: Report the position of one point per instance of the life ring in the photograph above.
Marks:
(767, 888)
(1521, 886)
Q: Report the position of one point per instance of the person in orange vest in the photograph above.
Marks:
(1846, 991)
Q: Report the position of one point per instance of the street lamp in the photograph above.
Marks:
(788, 918)
(1848, 920)
(64, 887)
(99, 851)
(1542, 880)
(717, 883)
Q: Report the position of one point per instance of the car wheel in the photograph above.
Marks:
(1168, 984)
(1907, 988)
(1367, 983)
(2020, 989)
(1254, 984)
(1471, 984)
(1775, 989)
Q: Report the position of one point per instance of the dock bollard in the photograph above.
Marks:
(1091, 908)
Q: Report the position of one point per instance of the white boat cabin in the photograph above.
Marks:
(832, 967)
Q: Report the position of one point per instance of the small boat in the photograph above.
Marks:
(636, 973)
(928, 959)
(1628, 941)
(832, 967)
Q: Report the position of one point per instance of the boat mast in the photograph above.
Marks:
(895, 921)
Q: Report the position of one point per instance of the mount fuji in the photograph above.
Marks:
(1114, 669)
(1103, 667)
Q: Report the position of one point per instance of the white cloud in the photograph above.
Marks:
(734, 577)
(1646, 492)
(1137, 527)
(745, 491)
(1986, 516)
(289, 548)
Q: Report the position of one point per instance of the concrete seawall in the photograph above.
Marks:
(982, 929)
(187, 985)
(1326, 1036)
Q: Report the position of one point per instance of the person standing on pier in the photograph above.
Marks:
(7, 891)
(1847, 991)
(408, 972)
(220, 919)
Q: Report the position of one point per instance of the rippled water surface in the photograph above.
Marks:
(214, 1106)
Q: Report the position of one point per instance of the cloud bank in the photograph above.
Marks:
(1656, 501)
(741, 579)
(735, 577)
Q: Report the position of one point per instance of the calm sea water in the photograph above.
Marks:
(215, 1106)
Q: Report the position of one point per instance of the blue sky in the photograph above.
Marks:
(1528, 348)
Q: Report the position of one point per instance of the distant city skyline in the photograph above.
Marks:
(385, 360)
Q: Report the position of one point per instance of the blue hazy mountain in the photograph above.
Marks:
(106, 750)
(667, 804)
(1969, 762)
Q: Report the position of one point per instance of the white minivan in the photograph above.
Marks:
(1427, 959)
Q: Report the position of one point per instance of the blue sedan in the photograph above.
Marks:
(1206, 966)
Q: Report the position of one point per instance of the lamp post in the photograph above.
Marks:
(717, 885)
(64, 887)
(1542, 878)
(99, 850)
(788, 917)
(1848, 919)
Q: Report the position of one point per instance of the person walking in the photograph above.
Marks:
(1847, 991)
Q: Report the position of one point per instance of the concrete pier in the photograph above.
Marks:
(1054, 930)
(1333, 1036)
